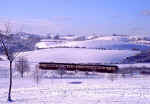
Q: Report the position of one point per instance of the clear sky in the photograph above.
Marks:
(78, 16)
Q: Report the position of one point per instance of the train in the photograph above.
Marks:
(78, 67)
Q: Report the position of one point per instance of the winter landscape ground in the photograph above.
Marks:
(98, 89)
(80, 87)
(75, 52)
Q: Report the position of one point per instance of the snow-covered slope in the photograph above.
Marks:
(78, 55)
(104, 42)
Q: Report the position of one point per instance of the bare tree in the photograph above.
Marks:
(9, 56)
(22, 65)
(37, 75)
(8, 46)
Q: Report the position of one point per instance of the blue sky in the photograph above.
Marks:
(78, 16)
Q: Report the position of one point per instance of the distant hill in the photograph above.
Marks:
(20, 42)
(102, 42)
(143, 57)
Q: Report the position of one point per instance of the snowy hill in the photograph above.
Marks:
(77, 55)
(143, 57)
(104, 42)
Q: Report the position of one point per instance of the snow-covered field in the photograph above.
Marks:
(104, 42)
(134, 65)
(96, 88)
(105, 89)
(78, 55)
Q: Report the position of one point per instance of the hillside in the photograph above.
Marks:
(20, 42)
(78, 55)
(100, 42)
(143, 57)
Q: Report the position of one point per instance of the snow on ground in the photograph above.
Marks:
(108, 89)
(103, 42)
(70, 55)
(134, 65)
(118, 38)
(142, 42)
(48, 43)
(78, 55)
(101, 88)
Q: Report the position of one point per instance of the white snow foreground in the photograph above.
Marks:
(103, 90)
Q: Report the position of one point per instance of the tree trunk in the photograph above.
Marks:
(22, 70)
(10, 79)
(21, 73)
